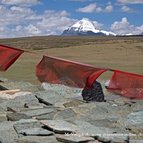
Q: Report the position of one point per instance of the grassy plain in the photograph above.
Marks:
(123, 53)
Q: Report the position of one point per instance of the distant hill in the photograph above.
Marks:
(47, 42)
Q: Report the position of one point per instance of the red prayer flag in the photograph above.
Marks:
(127, 84)
(8, 56)
(60, 71)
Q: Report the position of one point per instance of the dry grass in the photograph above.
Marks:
(123, 53)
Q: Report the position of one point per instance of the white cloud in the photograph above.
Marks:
(88, 9)
(16, 21)
(94, 8)
(109, 8)
(20, 2)
(99, 9)
(14, 15)
(32, 30)
(21, 21)
(18, 28)
(127, 9)
(131, 1)
(54, 22)
(124, 27)
(1, 29)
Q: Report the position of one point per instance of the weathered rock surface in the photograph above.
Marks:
(46, 115)
(24, 86)
(73, 103)
(50, 97)
(16, 116)
(35, 132)
(49, 116)
(134, 123)
(2, 115)
(38, 112)
(65, 114)
(60, 126)
(62, 90)
(20, 103)
(7, 132)
(137, 106)
(135, 118)
(85, 128)
(37, 139)
(73, 138)
(26, 124)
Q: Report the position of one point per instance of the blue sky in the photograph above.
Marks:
(20, 18)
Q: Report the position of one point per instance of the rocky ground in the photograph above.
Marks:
(56, 113)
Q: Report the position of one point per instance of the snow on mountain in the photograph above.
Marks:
(86, 27)
(108, 33)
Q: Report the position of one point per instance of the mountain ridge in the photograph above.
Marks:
(87, 28)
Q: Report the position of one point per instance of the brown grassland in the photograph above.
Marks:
(123, 53)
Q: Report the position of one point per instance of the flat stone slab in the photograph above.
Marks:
(24, 86)
(103, 134)
(115, 138)
(73, 138)
(7, 132)
(101, 111)
(65, 114)
(37, 139)
(59, 126)
(73, 103)
(135, 118)
(35, 132)
(50, 97)
(9, 96)
(20, 103)
(16, 116)
(137, 106)
(103, 123)
(38, 112)
(86, 129)
(49, 116)
(26, 124)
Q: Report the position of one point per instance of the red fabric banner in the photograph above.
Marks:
(59, 71)
(127, 84)
(8, 56)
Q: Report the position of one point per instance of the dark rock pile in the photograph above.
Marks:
(56, 113)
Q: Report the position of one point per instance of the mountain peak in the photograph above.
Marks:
(85, 27)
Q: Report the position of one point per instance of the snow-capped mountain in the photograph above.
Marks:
(86, 27)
